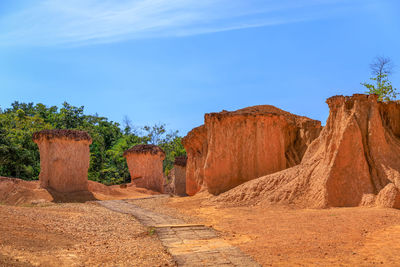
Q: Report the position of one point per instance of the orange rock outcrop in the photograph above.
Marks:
(355, 161)
(179, 182)
(145, 163)
(234, 147)
(64, 159)
(195, 143)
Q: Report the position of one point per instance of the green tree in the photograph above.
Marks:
(19, 155)
(381, 69)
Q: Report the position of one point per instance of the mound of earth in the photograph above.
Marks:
(234, 147)
(14, 191)
(355, 161)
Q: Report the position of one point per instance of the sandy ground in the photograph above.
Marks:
(85, 234)
(281, 236)
(75, 234)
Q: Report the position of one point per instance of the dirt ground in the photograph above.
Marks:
(283, 236)
(75, 234)
(85, 234)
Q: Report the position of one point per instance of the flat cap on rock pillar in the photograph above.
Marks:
(64, 159)
(145, 163)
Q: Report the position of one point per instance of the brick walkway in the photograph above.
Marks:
(190, 245)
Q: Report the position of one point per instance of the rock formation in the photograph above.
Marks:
(176, 180)
(64, 159)
(234, 147)
(179, 181)
(195, 143)
(355, 161)
(145, 163)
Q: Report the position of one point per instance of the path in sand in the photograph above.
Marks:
(190, 245)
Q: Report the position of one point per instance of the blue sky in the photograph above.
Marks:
(171, 61)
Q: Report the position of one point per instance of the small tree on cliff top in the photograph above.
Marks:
(381, 68)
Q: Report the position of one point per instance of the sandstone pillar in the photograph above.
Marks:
(195, 144)
(145, 163)
(180, 176)
(64, 159)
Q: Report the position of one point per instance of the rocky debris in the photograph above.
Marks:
(234, 147)
(389, 197)
(64, 159)
(145, 163)
(355, 158)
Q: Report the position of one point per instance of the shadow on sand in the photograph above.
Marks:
(79, 196)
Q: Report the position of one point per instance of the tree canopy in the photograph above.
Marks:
(381, 69)
(19, 155)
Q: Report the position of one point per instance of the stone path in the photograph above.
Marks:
(190, 245)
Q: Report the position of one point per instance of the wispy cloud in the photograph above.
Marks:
(84, 22)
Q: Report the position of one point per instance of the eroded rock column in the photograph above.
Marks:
(145, 163)
(180, 176)
(64, 159)
(195, 143)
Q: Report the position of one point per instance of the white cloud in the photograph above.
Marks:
(84, 22)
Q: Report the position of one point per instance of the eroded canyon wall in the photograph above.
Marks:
(355, 161)
(234, 147)
(195, 143)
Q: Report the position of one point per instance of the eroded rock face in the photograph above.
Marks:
(180, 176)
(389, 197)
(356, 156)
(145, 163)
(195, 143)
(176, 180)
(234, 147)
(64, 159)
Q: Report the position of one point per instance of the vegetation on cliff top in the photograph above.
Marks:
(381, 68)
(19, 155)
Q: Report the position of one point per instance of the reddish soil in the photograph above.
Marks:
(75, 234)
(15, 191)
(279, 236)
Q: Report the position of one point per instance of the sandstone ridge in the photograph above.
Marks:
(355, 161)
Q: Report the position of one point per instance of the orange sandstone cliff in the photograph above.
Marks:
(234, 147)
(195, 143)
(355, 161)
(64, 159)
(145, 163)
